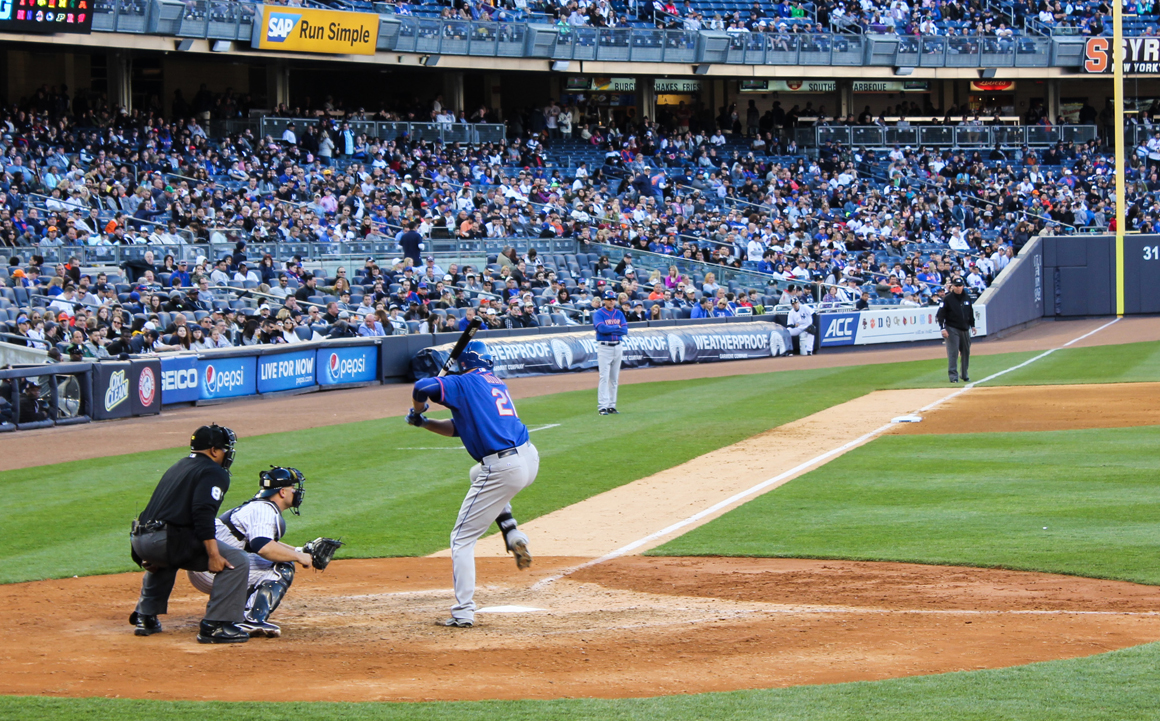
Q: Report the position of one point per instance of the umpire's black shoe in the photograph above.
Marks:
(221, 632)
(146, 625)
(966, 380)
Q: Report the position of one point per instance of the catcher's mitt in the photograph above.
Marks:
(321, 550)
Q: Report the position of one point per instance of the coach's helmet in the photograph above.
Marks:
(474, 356)
(277, 478)
(215, 436)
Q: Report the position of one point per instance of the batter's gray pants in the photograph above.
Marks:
(608, 361)
(494, 483)
(958, 343)
(227, 602)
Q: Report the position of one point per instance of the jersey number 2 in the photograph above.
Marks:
(503, 402)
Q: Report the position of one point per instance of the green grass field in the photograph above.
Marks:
(974, 499)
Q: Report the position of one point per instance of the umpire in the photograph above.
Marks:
(177, 531)
(956, 317)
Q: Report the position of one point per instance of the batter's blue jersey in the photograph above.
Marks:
(482, 409)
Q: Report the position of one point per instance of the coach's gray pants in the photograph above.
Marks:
(958, 343)
(228, 599)
(494, 483)
(608, 361)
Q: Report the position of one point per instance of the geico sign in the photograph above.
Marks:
(176, 380)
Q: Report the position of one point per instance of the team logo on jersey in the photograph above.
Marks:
(118, 390)
(280, 26)
(676, 349)
(146, 386)
(562, 354)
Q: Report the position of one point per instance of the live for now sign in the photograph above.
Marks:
(303, 30)
(1141, 55)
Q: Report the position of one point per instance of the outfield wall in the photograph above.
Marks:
(1079, 273)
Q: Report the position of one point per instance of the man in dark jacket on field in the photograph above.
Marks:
(956, 317)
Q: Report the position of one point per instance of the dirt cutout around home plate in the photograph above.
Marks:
(636, 626)
(1042, 408)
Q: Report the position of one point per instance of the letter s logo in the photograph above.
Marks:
(1097, 55)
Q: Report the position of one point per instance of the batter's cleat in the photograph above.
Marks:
(457, 622)
(523, 556)
(258, 629)
(613, 411)
(221, 632)
(147, 625)
(604, 411)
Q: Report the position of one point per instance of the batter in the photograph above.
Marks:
(484, 417)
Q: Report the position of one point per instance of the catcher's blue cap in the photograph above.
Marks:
(609, 295)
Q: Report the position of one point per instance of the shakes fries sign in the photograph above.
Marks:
(302, 30)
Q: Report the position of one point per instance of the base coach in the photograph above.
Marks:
(177, 531)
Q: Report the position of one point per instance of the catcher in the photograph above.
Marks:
(256, 527)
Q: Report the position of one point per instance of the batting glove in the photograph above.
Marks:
(415, 418)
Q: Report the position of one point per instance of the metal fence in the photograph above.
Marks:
(230, 20)
(446, 132)
(955, 136)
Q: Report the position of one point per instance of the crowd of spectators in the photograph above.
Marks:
(872, 226)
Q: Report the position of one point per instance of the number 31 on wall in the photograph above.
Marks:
(1152, 252)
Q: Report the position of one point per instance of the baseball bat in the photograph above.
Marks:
(468, 333)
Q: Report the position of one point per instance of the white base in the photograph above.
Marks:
(907, 419)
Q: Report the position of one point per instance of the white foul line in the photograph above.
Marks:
(793, 471)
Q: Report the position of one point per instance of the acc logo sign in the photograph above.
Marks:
(562, 354)
(840, 329)
(280, 26)
(146, 386)
(118, 390)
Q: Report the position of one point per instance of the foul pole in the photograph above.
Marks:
(1118, 132)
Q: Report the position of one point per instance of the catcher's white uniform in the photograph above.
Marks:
(255, 519)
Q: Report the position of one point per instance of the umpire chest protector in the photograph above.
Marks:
(227, 518)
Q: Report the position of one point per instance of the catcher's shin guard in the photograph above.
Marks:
(507, 524)
(269, 593)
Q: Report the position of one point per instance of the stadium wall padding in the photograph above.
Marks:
(1079, 273)
(1017, 296)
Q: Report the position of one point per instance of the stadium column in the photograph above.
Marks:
(846, 97)
(453, 91)
(120, 79)
(647, 98)
(1053, 99)
(277, 82)
(492, 94)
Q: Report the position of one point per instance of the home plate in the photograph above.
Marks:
(906, 419)
(509, 609)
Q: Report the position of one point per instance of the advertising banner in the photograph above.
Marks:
(1141, 55)
(46, 16)
(571, 352)
(895, 325)
(145, 387)
(179, 379)
(226, 377)
(286, 371)
(837, 328)
(347, 364)
(111, 390)
(304, 30)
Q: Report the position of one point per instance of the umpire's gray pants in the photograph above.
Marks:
(608, 361)
(958, 344)
(227, 602)
(494, 483)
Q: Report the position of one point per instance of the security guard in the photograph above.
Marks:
(956, 317)
(177, 530)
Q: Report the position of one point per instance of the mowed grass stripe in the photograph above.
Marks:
(72, 519)
(1117, 686)
(1082, 502)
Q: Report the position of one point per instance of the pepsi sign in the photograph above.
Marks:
(348, 364)
(227, 377)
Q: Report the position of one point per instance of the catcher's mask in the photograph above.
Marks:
(215, 436)
(475, 355)
(277, 478)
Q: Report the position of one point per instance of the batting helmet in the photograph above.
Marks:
(215, 436)
(609, 295)
(474, 356)
(277, 478)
